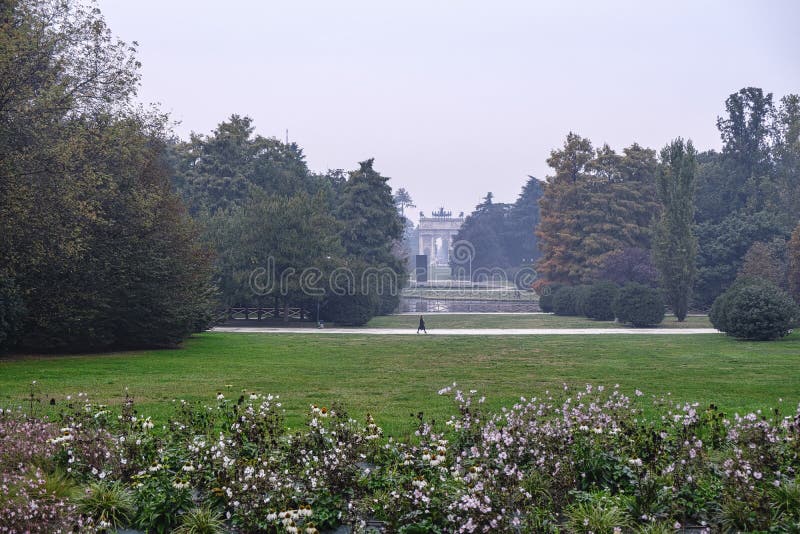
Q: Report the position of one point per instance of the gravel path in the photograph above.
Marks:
(469, 331)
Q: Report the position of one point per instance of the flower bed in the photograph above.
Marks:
(569, 461)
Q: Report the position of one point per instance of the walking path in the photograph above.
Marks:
(469, 331)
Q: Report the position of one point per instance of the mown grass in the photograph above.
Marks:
(517, 320)
(395, 376)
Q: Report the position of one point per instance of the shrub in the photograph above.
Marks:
(565, 301)
(351, 310)
(754, 309)
(546, 297)
(581, 297)
(599, 301)
(639, 305)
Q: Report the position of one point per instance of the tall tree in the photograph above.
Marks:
(485, 230)
(747, 135)
(786, 157)
(675, 244)
(596, 203)
(372, 229)
(217, 171)
(370, 220)
(523, 217)
(402, 200)
(793, 268)
(560, 230)
(85, 204)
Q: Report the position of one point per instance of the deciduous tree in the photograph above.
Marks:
(675, 244)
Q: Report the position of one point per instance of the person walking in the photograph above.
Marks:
(421, 325)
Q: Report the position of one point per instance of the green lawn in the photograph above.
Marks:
(517, 320)
(393, 376)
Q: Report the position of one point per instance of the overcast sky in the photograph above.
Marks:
(456, 98)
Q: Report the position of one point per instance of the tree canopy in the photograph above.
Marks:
(99, 247)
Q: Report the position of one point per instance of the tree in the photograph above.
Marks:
(793, 267)
(372, 229)
(266, 245)
(786, 157)
(523, 217)
(747, 134)
(12, 313)
(402, 200)
(218, 171)
(766, 261)
(596, 203)
(675, 245)
(560, 229)
(722, 248)
(98, 246)
(485, 230)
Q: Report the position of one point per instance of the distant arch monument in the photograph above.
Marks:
(436, 235)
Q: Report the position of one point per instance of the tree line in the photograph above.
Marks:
(690, 222)
(260, 207)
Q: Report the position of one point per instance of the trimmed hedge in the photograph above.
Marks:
(565, 301)
(639, 305)
(351, 310)
(754, 309)
(598, 303)
(546, 298)
(581, 296)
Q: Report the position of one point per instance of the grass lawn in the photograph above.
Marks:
(394, 376)
(516, 320)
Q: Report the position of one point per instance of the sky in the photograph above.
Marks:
(454, 99)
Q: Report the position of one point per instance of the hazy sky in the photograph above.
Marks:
(456, 98)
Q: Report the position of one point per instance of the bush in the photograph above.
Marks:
(565, 301)
(754, 309)
(639, 305)
(581, 298)
(12, 312)
(351, 310)
(598, 303)
(546, 297)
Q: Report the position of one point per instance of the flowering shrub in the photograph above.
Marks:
(585, 460)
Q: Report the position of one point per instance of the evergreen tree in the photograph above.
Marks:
(675, 244)
(372, 230)
(217, 171)
(369, 216)
(485, 230)
(522, 220)
(402, 200)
